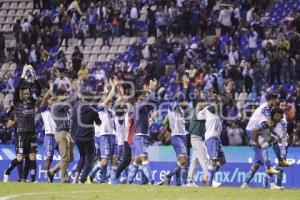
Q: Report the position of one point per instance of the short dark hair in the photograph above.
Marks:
(60, 91)
(271, 96)
(24, 86)
(275, 111)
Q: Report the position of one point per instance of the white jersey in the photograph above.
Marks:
(262, 113)
(176, 121)
(120, 129)
(49, 124)
(213, 123)
(281, 130)
(106, 116)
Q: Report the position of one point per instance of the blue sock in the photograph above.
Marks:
(280, 176)
(95, 169)
(175, 169)
(277, 152)
(184, 174)
(113, 174)
(132, 172)
(124, 175)
(266, 181)
(250, 175)
(265, 155)
(147, 172)
(178, 177)
(103, 173)
(211, 174)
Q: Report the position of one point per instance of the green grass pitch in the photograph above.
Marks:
(44, 191)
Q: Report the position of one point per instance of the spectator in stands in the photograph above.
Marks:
(225, 19)
(253, 36)
(92, 19)
(47, 21)
(297, 67)
(248, 74)
(17, 30)
(77, 58)
(105, 31)
(34, 56)
(20, 56)
(2, 48)
(66, 30)
(296, 135)
(81, 30)
(133, 17)
(36, 4)
(294, 44)
(61, 60)
(275, 68)
(234, 135)
(297, 103)
(151, 21)
(161, 20)
(26, 32)
(286, 68)
(115, 21)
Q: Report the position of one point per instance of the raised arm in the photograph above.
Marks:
(17, 90)
(110, 94)
(45, 98)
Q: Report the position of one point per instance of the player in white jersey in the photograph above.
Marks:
(122, 171)
(260, 138)
(176, 122)
(50, 143)
(106, 134)
(263, 111)
(120, 128)
(280, 147)
(213, 127)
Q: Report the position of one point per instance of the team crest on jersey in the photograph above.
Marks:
(28, 112)
(266, 112)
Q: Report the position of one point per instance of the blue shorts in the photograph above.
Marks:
(108, 146)
(50, 145)
(259, 157)
(249, 134)
(120, 152)
(140, 145)
(179, 143)
(214, 149)
(97, 147)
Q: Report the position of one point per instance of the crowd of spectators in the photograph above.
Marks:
(231, 47)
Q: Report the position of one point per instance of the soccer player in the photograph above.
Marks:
(143, 106)
(120, 131)
(126, 157)
(82, 130)
(213, 130)
(280, 147)
(107, 138)
(26, 139)
(260, 136)
(176, 122)
(50, 143)
(12, 123)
